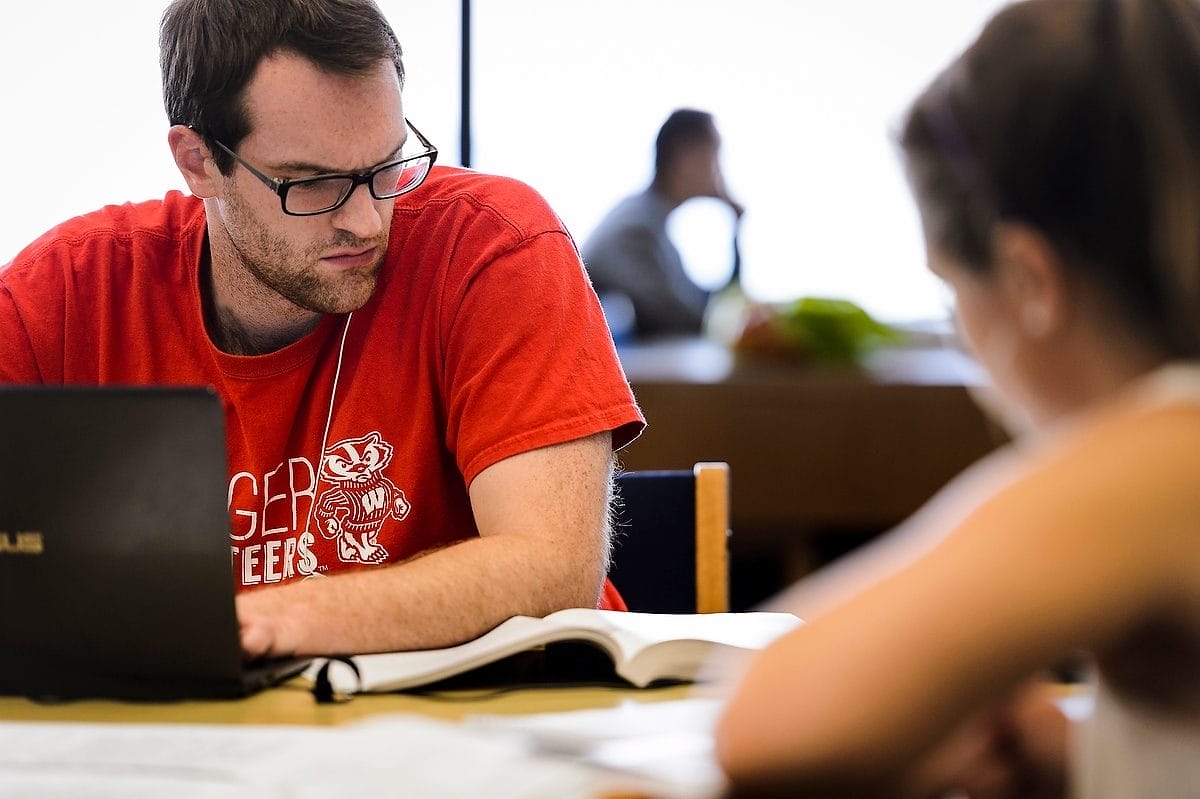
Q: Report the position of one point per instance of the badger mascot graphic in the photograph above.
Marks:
(361, 500)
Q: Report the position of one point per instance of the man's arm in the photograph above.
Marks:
(543, 545)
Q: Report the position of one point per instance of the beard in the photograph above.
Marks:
(293, 273)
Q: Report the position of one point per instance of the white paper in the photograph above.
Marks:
(402, 756)
(97, 761)
(670, 742)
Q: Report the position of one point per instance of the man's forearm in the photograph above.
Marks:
(543, 544)
(437, 599)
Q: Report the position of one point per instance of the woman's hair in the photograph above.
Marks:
(209, 50)
(1080, 118)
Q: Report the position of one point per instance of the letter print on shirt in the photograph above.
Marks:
(361, 499)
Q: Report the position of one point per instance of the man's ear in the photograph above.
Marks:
(194, 160)
(1033, 278)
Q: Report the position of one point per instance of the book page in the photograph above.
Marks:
(394, 671)
(635, 631)
(676, 645)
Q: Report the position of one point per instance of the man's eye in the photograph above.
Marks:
(314, 187)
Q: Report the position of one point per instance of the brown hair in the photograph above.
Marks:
(209, 50)
(1081, 119)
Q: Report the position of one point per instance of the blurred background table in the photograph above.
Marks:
(822, 457)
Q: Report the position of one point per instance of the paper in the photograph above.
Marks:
(670, 742)
(386, 756)
(97, 761)
(413, 756)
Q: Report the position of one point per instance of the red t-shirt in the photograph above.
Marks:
(354, 445)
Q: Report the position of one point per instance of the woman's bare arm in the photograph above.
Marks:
(1097, 534)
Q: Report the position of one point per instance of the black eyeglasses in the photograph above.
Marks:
(321, 194)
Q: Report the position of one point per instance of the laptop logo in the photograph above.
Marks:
(21, 542)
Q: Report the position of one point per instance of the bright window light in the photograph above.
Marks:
(807, 95)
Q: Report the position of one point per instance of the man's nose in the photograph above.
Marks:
(359, 214)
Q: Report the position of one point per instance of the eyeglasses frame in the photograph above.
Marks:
(281, 186)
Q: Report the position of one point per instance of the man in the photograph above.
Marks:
(630, 255)
(422, 398)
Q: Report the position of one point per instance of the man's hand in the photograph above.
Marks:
(262, 625)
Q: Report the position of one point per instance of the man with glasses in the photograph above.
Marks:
(422, 396)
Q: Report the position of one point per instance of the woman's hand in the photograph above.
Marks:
(1015, 750)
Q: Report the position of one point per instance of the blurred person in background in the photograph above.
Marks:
(633, 264)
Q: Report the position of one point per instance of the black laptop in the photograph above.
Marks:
(115, 570)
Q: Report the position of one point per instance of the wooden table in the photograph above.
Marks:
(817, 453)
(293, 703)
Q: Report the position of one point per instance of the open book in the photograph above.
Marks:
(643, 647)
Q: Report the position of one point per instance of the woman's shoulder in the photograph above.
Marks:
(1153, 426)
(1153, 423)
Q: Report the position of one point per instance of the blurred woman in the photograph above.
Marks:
(1056, 166)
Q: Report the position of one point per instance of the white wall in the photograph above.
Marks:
(81, 116)
(806, 94)
(568, 96)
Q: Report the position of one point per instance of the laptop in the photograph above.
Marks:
(116, 576)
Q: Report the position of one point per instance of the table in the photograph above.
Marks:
(816, 452)
(293, 703)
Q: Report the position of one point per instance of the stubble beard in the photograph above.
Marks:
(294, 275)
(274, 268)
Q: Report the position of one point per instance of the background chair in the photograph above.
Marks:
(671, 539)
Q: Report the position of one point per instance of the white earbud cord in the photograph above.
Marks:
(337, 374)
